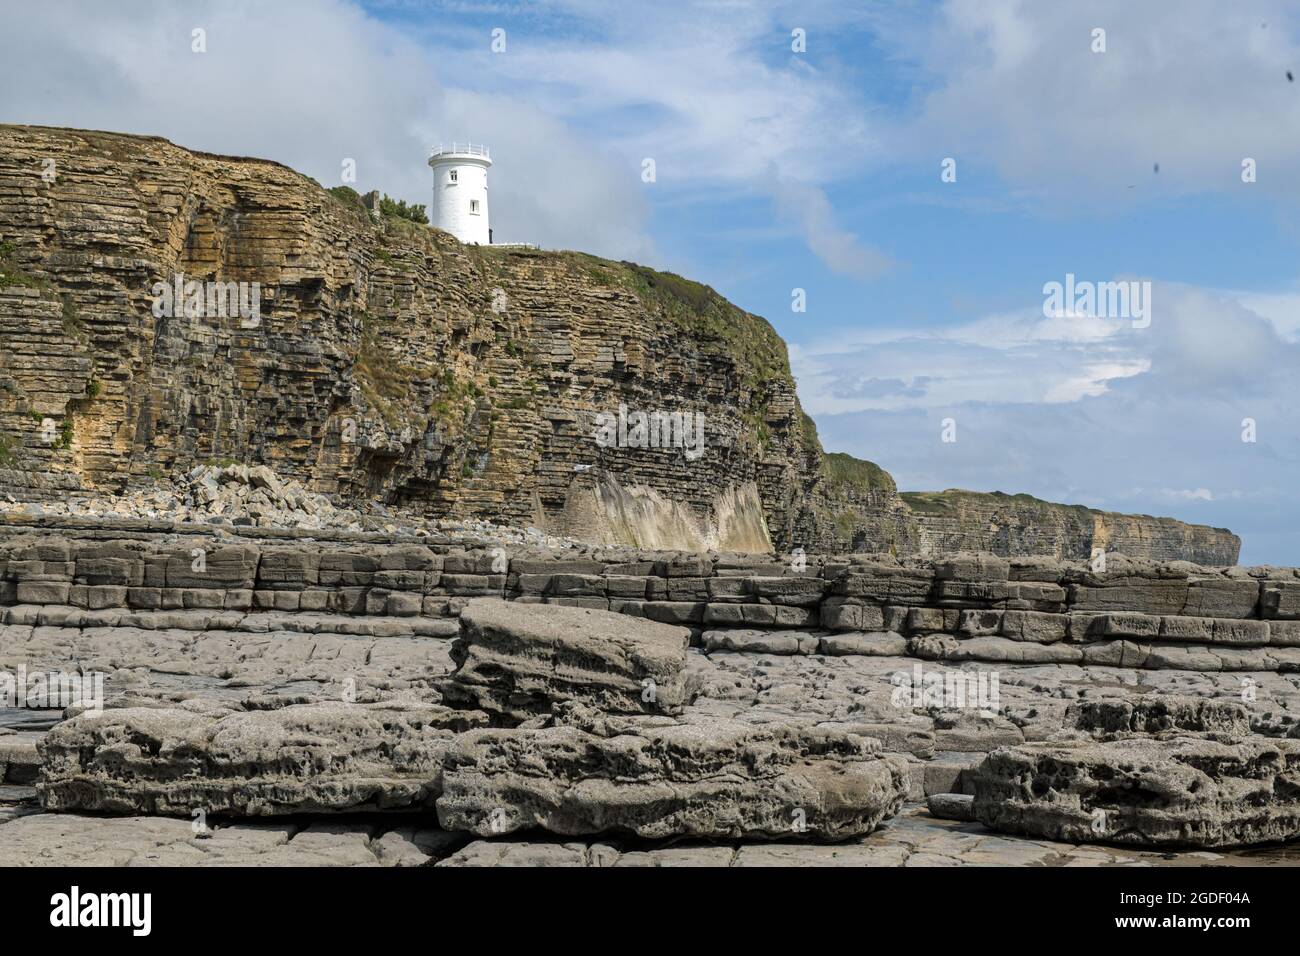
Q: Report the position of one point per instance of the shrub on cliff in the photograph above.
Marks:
(399, 209)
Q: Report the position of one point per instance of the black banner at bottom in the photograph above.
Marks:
(342, 905)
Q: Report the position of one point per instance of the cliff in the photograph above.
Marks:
(380, 360)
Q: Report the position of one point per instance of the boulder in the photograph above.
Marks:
(516, 661)
(319, 757)
(656, 777)
(1179, 790)
(950, 806)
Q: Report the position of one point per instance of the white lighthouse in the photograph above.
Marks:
(460, 192)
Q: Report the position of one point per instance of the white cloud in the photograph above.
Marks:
(1198, 341)
(715, 97)
(1094, 379)
(1188, 494)
(309, 84)
(1082, 418)
(1194, 86)
(810, 209)
(1282, 309)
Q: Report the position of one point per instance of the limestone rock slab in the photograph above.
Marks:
(1166, 790)
(300, 758)
(704, 777)
(516, 661)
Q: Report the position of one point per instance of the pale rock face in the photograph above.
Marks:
(608, 512)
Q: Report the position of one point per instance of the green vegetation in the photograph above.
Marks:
(8, 455)
(758, 351)
(398, 209)
(860, 475)
(811, 441)
(386, 257)
(11, 274)
(73, 326)
(65, 434)
(392, 208)
(846, 524)
(595, 269)
(937, 502)
(348, 196)
(384, 381)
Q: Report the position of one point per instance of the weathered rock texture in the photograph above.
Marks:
(387, 360)
(1169, 790)
(1136, 614)
(516, 661)
(230, 654)
(294, 759)
(1012, 525)
(1157, 714)
(654, 777)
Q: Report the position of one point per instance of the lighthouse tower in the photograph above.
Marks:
(460, 192)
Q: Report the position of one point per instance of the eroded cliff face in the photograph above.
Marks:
(1012, 525)
(388, 362)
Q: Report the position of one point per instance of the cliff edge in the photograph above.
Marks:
(376, 359)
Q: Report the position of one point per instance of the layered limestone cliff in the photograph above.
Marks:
(375, 359)
(1009, 525)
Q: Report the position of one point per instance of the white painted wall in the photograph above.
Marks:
(453, 202)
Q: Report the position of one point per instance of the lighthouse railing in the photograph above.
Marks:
(461, 149)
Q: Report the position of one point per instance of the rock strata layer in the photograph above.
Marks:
(1178, 790)
(361, 356)
(295, 759)
(654, 777)
(516, 661)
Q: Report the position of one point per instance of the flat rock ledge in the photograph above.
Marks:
(516, 660)
(297, 759)
(1168, 790)
(703, 777)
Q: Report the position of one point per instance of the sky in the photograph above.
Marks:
(922, 172)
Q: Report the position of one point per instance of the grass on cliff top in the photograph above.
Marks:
(934, 502)
(843, 469)
(698, 309)
(862, 475)
(348, 196)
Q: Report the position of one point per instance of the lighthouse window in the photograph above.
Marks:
(473, 206)
(451, 176)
